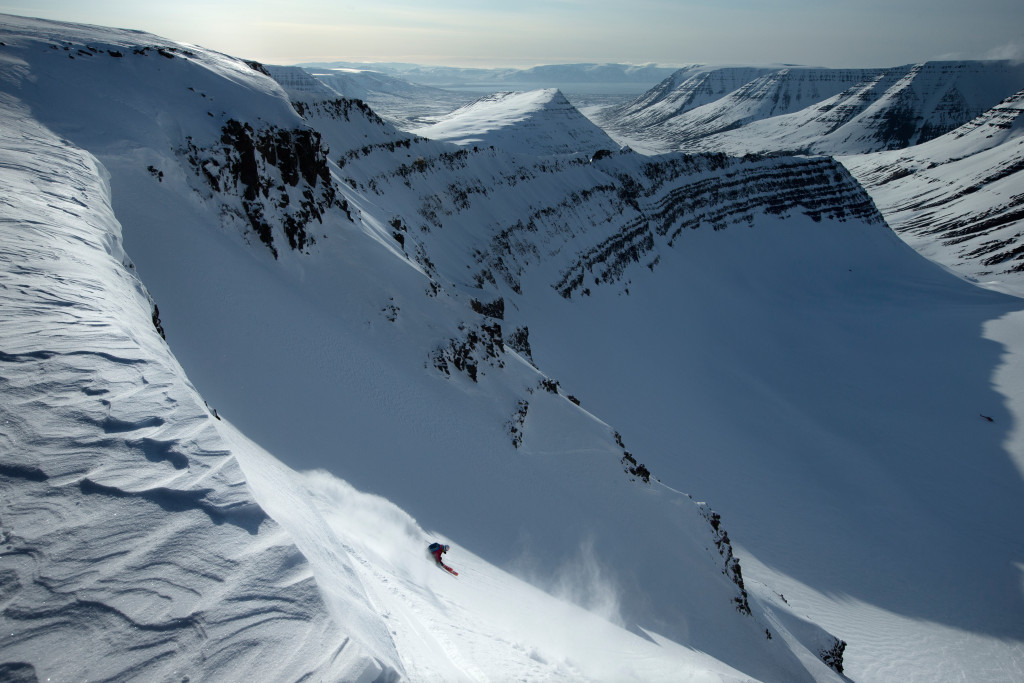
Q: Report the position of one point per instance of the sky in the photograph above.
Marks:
(836, 33)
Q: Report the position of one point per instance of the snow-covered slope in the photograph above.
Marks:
(726, 97)
(802, 109)
(133, 543)
(132, 547)
(223, 197)
(537, 122)
(957, 198)
(530, 356)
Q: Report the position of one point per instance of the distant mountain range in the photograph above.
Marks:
(607, 78)
(810, 110)
(412, 95)
(957, 198)
(918, 117)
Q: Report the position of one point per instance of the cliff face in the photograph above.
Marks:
(596, 219)
(273, 180)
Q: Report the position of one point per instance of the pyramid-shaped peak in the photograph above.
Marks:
(536, 121)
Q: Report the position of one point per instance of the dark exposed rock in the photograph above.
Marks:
(256, 66)
(479, 344)
(517, 421)
(731, 566)
(156, 322)
(261, 166)
(833, 656)
(340, 109)
(493, 309)
(519, 340)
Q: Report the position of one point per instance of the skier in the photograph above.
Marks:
(438, 549)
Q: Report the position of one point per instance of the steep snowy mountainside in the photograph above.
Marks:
(538, 122)
(533, 355)
(347, 126)
(957, 198)
(413, 96)
(840, 402)
(143, 537)
(758, 92)
(825, 111)
(306, 309)
(131, 544)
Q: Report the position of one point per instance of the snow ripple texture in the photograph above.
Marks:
(112, 470)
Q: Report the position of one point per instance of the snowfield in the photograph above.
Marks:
(679, 417)
(540, 121)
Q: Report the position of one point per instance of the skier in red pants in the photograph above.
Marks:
(437, 549)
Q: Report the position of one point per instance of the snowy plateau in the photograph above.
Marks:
(721, 383)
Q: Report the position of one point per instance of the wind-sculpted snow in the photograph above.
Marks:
(132, 547)
(957, 198)
(804, 109)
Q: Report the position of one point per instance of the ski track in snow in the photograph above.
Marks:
(484, 625)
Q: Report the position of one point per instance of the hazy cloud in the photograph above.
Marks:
(1012, 51)
(870, 33)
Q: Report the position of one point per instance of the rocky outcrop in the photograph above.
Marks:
(276, 180)
(731, 565)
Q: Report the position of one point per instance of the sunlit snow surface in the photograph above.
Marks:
(126, 514)
(817, 382)
(538, 122)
